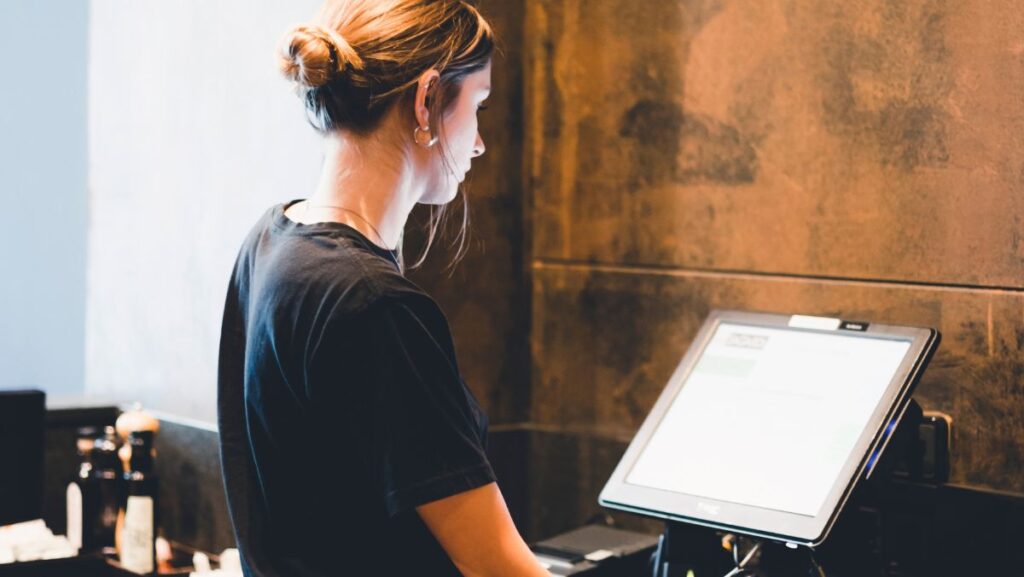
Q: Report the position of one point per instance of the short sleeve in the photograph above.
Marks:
(407, 412)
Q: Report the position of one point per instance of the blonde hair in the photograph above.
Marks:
(359, 58)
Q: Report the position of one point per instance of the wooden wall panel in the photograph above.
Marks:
(864, 139)
(606, 340)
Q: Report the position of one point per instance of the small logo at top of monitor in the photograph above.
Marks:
(708, 508)
(745, 341)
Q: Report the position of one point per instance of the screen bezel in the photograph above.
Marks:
(773, 524)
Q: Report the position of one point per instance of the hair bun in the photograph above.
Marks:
(312, 56)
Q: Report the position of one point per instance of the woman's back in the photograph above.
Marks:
(353, 410)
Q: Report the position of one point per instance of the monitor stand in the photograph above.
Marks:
(853, 550)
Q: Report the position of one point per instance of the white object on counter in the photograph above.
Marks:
(32, 541)
(200, 562)
(230, 565)
(74, 514)
(11, 535)
(230, 561)
(137, 545)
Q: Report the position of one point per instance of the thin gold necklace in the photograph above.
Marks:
(383, 243)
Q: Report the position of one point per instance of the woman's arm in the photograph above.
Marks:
(477, 532)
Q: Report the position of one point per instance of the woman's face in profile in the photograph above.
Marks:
(460, 139)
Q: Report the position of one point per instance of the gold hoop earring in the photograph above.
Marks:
(418, 135)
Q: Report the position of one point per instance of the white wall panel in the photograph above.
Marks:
(193, 133)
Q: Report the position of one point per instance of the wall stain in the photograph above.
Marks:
(1017, 240)
(627, 335)
(972, 336)
(991, 420)
(669, 145)
(657, 127)
(752, 102)
(912, 136)
(552, 117)
(672, 146)
(890, 90)
(625, 347)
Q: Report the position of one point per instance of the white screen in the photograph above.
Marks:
(769, 416)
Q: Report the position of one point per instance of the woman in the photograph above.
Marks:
(349, 443)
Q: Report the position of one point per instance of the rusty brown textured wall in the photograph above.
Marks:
(862, 159)
(861, 139)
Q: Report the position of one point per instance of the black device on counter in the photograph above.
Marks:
(596, 551)
(22, 421)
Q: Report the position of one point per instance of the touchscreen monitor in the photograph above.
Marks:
(768, 422)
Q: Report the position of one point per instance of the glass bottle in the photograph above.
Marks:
(106, 472)
(138, 536)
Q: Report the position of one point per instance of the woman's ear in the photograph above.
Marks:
(425, 90)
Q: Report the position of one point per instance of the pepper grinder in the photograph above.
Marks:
(129, 426)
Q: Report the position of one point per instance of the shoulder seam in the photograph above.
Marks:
(374, 285)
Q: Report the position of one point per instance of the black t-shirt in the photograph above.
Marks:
(340, 406)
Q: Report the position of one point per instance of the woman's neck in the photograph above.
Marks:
(366, 184)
